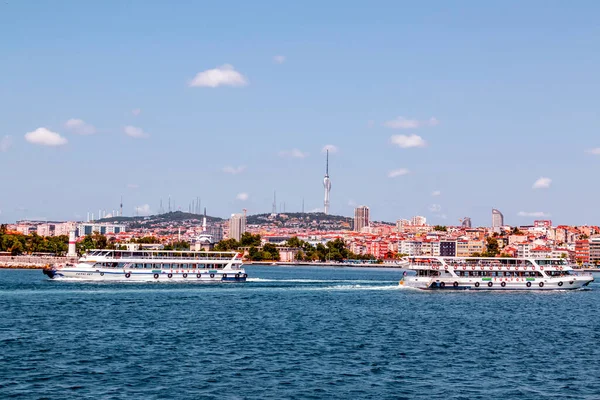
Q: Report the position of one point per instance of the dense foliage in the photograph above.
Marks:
(18, 244)
(334, 250)
(268, 252)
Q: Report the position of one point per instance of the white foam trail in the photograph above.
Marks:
(314, 280)
(351, 287)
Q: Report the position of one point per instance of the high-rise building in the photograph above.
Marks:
(361, 218)
(326, 185)
(237, 226)
(466, 222)
(497, 220)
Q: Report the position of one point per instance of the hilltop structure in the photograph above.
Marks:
(327, 185)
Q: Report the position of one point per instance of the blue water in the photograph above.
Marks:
(306, 333)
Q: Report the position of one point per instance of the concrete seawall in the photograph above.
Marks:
(32, 262)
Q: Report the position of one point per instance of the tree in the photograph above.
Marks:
(16, 248)
(249, 239)
(440, 228)
(516, 231)
(492, 248)
(100, 241)
(178, 245)
(271, 252)
(294, 242)
(227, 245)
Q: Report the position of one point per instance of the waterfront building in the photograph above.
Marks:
(89, 228)
(448, 248)
(594, 244)
(237, 226)
(524, 250)
(582, 251)
(401, 224)
(46, 229)
(462, 248)
(64, 228)
(418, 220)
(361, 218)
(476, 246)
(411, 247)
(545, 223)
(497, 221)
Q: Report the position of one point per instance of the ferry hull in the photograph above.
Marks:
(104, 275)
(575, 282)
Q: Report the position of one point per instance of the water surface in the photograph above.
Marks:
(294, 332)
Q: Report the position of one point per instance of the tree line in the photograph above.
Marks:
(17, 244)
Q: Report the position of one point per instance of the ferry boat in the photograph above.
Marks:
(153, 265)
(489, 273)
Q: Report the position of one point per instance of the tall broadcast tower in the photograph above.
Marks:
(327, 184)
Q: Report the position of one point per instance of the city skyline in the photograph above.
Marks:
(419, 119)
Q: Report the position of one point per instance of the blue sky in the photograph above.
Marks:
(442, 109)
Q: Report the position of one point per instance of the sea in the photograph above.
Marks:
(294, 333)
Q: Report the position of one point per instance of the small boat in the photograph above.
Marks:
(490, 273)
(152, 266)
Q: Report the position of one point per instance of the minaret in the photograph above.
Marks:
(204, 221)
(327, 184)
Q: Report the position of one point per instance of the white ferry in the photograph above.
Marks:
(153, 265)
(488, 273)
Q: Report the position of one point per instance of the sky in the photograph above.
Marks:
(433, 108)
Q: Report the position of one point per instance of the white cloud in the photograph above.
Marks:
(80, 127)
(398, 172)
(242, 196)
(45, 137)
(595, 151)
(329, 147)
(144, 210)
(294, 153)
(136, 111)
(406, 123)
(233, 170)
(135, 132)
(536, 214)
(542, 183)
(407, 141)
(225, 75)
(279, 59)
(133, 185)
(5, 143)
(435, 208)
(436, 193)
